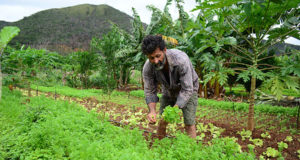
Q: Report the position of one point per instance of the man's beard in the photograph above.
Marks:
(160, 65)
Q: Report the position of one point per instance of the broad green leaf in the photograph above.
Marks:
(6, 35)
(229, 40)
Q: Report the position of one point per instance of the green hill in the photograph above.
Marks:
(68, 28)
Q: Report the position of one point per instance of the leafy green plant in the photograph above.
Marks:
(288, 139)
(271, 152)
(6, 34)
(171, 114)
(214, 130)
(201, 127)
(251, 148)
(266, 135)
(282, 146)
(201, 137)
(245, 134)
(257, 142)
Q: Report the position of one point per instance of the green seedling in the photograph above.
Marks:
(200, 138)
(282, 145)
(257, 142)
(271, 152)
(298, 151)
(288, 139)
(266, 135)
(202, 127)
(245, 134)
(171, 114)
(261, 157)
(251, 148)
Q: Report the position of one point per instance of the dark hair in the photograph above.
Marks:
(151, 42)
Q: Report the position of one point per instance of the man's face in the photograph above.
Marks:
(157, 58)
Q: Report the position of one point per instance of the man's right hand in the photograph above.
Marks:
(151, 117)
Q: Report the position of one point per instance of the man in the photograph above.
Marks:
(173, 69)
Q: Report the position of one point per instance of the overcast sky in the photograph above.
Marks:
(14, 10)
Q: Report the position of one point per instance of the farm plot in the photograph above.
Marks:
(42, 128)
(274, 136)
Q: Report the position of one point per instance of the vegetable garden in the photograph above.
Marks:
(90, 104)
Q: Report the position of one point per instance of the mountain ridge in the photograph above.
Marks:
(69, 28)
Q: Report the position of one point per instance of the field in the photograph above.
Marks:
(275, 134)
(77, 94)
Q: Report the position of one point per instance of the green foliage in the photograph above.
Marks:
(67, 91)
(80, 66)
(171, 114)
(271, 152)
(288, 139)
(266, 135)
(57, 130)
(7, 34)
(238, 106)
(245, 134)
(282, 146)
(257, 142)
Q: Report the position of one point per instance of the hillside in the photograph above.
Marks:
(68, 28)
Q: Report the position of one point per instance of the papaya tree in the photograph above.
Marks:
(6, 35)
(266, 23)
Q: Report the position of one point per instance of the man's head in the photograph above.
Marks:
(154, 48)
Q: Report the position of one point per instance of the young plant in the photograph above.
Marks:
(245, 134)
(202, 127)
(288, 139)
(282, 145)
(266, 135)
(257, 142)
(200, 138)
(171, 114)
(251, 148)
(271, 152)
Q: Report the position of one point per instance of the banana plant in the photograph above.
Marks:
(6, 35)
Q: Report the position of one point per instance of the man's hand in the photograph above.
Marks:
(151, 117)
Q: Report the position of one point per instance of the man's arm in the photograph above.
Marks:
(150, 89)
(152, 112)
(186, 81)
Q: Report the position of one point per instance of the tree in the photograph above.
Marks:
(258, 19)
(7, 34)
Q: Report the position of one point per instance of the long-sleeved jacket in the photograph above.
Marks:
(183, 79)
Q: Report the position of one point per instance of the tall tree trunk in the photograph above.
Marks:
(142, 78)
(200, 90)
(121, 77)
(251, 105)
(217, 89)
(127, 76)
(205, 91)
